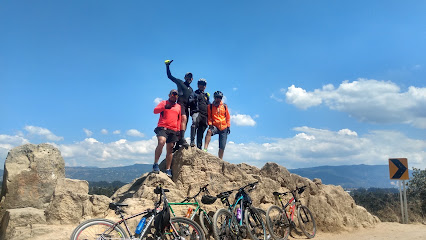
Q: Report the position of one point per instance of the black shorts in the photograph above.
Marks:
(170, 135)
(184, 108)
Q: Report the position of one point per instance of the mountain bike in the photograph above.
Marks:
(176, 228)
(240, 219)
(206, 220)
(280, 223)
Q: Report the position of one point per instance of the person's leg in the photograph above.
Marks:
(208, 138)
(159, 149)
(169, 155)
(222, 143)
(220, 154)
(194, 126)
(200, 133)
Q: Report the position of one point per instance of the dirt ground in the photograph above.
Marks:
(382, 231)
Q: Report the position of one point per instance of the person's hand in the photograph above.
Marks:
(228, 131)
(210, 127)
(167, 62)
(168, 106)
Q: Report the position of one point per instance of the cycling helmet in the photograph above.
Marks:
(218, 94)
(202, 81)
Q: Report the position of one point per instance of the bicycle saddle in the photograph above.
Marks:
(224, 194)
(277, 193)
(114, 206)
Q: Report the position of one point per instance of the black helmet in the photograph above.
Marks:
(188, 75)
(202, 81)
(218, 94)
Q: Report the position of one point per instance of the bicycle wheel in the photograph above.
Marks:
(98, 229)
(183, 228)
(255, 226)
(225, 226)
(206, 222)
(306, 221)
(263, 214)
(277, 223)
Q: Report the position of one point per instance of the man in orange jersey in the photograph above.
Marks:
(167, 129)
(219, 122)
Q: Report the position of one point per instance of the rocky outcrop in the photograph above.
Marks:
(36, 193)
(332, 207)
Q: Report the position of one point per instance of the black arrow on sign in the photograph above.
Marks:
(401, 168)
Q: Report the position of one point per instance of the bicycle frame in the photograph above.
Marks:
(292, 209)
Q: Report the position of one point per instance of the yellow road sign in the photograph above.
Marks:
(398, 168)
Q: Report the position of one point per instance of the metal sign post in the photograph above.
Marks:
(405, 203)
(402, 202)
(398, 170)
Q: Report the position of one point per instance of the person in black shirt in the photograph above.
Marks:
(184, 90)
(198, 102)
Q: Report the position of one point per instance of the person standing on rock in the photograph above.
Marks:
(184, 90)
(167, 129)
(198, 102)
(219, 122)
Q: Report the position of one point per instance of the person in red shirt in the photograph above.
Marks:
(219, 122)
(167, 129)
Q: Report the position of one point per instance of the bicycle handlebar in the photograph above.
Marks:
(202, 189)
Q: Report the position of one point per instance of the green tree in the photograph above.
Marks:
(417, 189)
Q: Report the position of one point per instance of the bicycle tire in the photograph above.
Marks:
(225, 226)
(183, 228)
(206, 222)
(97, 229)
(254, 222)
(277, 223)
(306, 221)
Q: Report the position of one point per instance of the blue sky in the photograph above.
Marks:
(308, 83)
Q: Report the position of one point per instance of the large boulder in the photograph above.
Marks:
(30, 176)
(35, 194)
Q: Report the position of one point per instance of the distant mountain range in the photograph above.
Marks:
(348, 176)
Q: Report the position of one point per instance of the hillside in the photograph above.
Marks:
(93, 174)
(350, 176)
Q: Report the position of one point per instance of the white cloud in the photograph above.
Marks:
(243, 120)
(276, 98)
(135, 133)
(301, 98)
(87, 132)
(234, 89)
(157, 100)
(116, 132)
(92, 152)
(367, 100)
(317, 147)
(42, 132)
(104, 131)
(308, 147)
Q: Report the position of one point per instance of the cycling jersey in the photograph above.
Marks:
(198, 102)
(169, 118)
(218, 116)
(183, 87)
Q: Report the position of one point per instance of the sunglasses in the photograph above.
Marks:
(218, 97)
(174, 93)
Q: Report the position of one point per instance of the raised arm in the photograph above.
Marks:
(160, 107)
(169, 74)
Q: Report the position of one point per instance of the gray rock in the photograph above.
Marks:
(30, 176)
